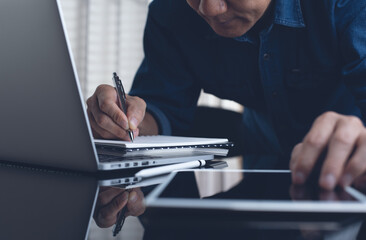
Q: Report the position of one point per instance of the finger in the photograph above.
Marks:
(108, 215)
(106, 125)
(108, 195)
(356, 166)
(111, 109)
(136, 132)
(105, 196)
(136, 108)
(295, 154)
(136, 205)
(313, 145)
(104, 108)
(340, 148)
(99, 132)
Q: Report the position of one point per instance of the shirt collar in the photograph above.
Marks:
(246, 38)
(288, 13)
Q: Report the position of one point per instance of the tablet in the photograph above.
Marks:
(251, 191)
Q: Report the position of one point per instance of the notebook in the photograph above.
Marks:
(166, 144)
(160, 141)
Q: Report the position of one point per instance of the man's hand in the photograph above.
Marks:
(106, 117)
(110, 202)
(344, 140)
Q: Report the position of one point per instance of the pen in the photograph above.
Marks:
(150, 172)
(122, 99)
(120, 221)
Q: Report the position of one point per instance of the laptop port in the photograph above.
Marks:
(115, 165)
(127, 165)
(135, 164)
(145, 163)
(116, 182)
(127, 180)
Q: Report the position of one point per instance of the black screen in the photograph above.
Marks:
(247, 186)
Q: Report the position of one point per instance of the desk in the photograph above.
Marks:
(44, 204)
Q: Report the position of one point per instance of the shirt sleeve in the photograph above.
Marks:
(351, 28)
(163, 79)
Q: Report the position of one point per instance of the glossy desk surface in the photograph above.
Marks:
(48, 204)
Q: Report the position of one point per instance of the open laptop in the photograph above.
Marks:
(43, 117)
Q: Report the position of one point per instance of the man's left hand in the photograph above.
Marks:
(344, 140)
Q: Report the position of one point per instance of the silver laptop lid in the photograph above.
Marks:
(43, 119)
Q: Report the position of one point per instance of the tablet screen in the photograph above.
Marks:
(239, 185)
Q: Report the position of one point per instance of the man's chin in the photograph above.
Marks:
(230, 33)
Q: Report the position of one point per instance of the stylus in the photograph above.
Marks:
(145, 173)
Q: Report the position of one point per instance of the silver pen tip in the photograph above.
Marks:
(130, 133)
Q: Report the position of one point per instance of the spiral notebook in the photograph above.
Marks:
(165, 142)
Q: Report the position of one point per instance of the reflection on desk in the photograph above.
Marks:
(41, 204)
(44, 204)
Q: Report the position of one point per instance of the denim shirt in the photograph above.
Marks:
(309, 59)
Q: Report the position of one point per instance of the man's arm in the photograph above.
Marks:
(165, 79)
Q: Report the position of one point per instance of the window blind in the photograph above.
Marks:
(106, 37)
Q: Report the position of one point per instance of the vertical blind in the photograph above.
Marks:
(106, 37)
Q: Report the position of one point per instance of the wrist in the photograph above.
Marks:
(149, 125)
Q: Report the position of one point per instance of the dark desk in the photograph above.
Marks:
(44, 204)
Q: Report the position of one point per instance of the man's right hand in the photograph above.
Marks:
(106, 117)
(110, 202)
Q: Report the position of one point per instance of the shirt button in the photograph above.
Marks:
(266, 56)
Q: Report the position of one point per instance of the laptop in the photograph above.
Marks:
(129, 179)
(44, 120)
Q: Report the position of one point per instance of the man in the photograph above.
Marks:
(298, 67)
